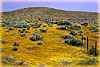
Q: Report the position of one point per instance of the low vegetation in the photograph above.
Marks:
(48, 37)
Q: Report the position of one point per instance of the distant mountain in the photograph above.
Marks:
(51, 13)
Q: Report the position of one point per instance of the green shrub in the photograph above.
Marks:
(36, 37)
(13, 33)
(21, 30)
(80, 31)
(42, 65)
(36, 31)
(16, 43)
(11, 28)
(73, 32)
(28, 28)
(7, 30)
(24, 29)
(61, 28)
(43, 30)
(44, 25)
(19, 26)
(7, 59)
(84, 38)
(50, 25)
(2, 49)
(74, 42)
(27, 31)
(64, 22)
(94, 28)
(35, 27)
(17, 63)
(3, 25)
(76, 27)
(14, 48)
(3, 41)
(65, 63)
(92, 51)
(84, 23)
(23, 34)
(66, 36)
(39, 42)
(92, 61)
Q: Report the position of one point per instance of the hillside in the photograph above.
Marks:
(47, 37)
(43, 13)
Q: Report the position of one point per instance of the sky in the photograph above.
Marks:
(87, 6)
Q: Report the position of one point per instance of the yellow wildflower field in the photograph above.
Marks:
(52, 51)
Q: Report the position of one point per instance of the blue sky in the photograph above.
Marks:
(63, 5)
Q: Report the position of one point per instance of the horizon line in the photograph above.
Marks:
(49, 7)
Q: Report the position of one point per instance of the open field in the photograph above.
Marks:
(53, 49)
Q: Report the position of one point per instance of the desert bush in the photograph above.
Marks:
(2, 49)
(76, 27)
(61, 28)
(66, 36)
(39, 43)
(50, 25)
(92, 51)
(74, 42)
(3, 25)
(37, 24)
(64, 22)
(43, 30)
(65, 63)
(7, 30)
(21, 30)
(27, 31)
(24, 29)
(20, 26)
(80, 31)
(84, 23)
(7, 59)
(44, 25)
(36, 37)
(89, 61)
(14, 49)
(3, 41)
(23, 34)
(11, 28)
(31, 24)
(16, 43)
(94, 28)
(84, 38)
(13, 33)
(28, 28)
(73, 32)
(36, 31)
(19, 63)
(97, 36)
(42, 65)
(35, 27)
